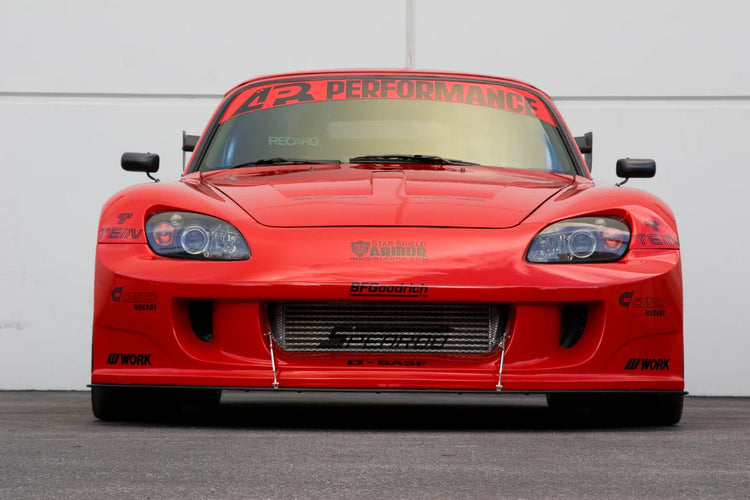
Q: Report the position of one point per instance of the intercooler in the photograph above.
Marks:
(388, 326)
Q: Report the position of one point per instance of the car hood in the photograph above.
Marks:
(387, 195)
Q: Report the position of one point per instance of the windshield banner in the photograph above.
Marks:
(480, 94)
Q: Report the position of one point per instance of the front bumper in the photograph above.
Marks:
(147, 330)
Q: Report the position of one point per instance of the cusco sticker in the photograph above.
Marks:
(480, 94)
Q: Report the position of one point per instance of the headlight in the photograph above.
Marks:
(583, 239)
(190, 235)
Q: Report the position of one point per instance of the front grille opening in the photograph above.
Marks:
(201, 315)
(572, 325)
(388, 326)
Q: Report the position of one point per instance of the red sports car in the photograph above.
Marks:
(388, 231)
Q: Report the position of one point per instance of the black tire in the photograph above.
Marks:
(134, 403)
(617, 408)
(566, 404)
(204, 398)
(645, 409)
(107, 403)
(669, 408)
(571, 410)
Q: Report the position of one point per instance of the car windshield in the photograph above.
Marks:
(387, 121)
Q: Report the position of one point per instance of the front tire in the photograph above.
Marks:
(660, 409)
(105, 403)
(136, 403)
(635, 408)
(669, 408)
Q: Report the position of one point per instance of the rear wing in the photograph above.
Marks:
(585, 144)
(188, 145)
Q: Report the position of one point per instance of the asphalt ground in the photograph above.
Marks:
(313, 445)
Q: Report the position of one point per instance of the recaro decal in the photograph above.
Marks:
(293, 141)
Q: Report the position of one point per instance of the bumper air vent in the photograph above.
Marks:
(573, 324)
(201, 315)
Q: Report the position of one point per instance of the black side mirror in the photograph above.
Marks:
(638, 168)
(140, 162)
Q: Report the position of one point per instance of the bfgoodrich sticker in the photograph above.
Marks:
(363, 289)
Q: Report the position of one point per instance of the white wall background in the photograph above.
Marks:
(81, 81)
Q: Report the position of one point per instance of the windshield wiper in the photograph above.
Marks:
(397, 158)
(284, 161)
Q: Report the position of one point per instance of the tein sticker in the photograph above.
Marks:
(480, 94)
